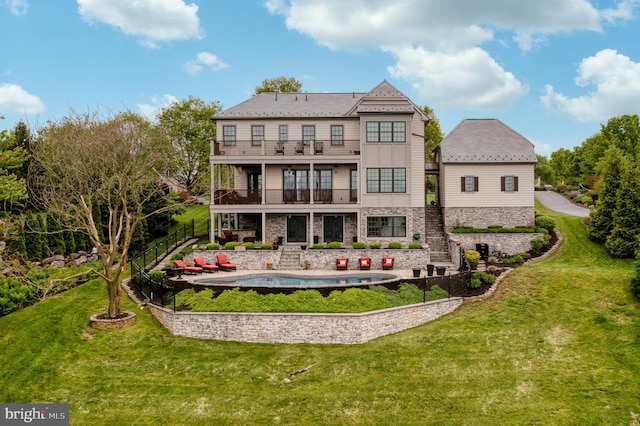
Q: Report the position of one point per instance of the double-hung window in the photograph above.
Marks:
(337, 135)
(509, 183)
(386, 180)
(469, 184)
(308, 134)
(386, 131)
(283, 133)
(257, 135)
(229, 135)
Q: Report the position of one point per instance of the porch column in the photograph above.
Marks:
(310, 237)
(263, 237)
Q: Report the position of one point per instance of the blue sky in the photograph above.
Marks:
(553, 70)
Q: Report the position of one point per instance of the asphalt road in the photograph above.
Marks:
(557, 203)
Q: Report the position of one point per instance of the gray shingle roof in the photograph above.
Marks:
(320, 105)
(485, 141)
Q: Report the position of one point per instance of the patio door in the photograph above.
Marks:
(333, 228)
(296, 229)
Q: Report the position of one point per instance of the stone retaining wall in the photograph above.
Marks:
(302, 328)
(320, 259)
(508, 243)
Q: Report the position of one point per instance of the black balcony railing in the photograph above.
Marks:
(286, 196)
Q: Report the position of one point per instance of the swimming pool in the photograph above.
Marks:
(302, 281)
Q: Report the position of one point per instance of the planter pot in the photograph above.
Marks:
(307, 266)
(416, 273)
(440, 270)
(269, 265)
(430, 268)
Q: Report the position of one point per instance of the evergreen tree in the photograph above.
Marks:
(602, 218)
(15, 244)
(623, 240)
(33, 236)
(69, 241)
(55, 240)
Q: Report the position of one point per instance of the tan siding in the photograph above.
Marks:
(489, 194)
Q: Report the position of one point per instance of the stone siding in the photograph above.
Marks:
(483, 217)
(302, 328)
(415, 221)
(508, 243)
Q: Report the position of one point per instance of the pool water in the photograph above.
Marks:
(290, 280)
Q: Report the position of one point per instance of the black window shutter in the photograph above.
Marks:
(475, 184)
(503, 185)
(462, 186)
(515, 183)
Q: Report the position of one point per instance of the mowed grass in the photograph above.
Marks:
(559, 343)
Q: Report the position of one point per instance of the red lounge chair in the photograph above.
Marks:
(387, 263)
(206, 267)
(224, 264)
(365, 263)
(186, 268)
(341, 263)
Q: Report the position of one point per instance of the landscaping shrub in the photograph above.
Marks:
(231, 245)
(177, 256)
(13, 295)
(249, 245)
(359, 245)
(213, 246)
(415, 246)
(156, 276)
(513, 259)
(475, 283)
(317, 246)
(266, 246)
(473, 257)
(546, 222)
(375, 246)
(538, 245)
(395, 245)
(485, 277)
(334, 245)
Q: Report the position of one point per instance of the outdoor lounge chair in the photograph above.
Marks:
(223, 263)
(230, 236)
(279, 148)
(341, 263)
(300, 148)
(206, 267)
(186, 268)
(387, 263)
(317, 147)
(365, 263)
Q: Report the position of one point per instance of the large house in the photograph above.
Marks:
(304, 168)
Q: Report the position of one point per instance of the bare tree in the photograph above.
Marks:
(113, 160)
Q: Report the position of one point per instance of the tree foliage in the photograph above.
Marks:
(13, 188)
(90, 159)
(190, 129)
(543, 170)
(279, 85)
(432, 132)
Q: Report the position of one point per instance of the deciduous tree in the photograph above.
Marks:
(280, 85)
(111, 160)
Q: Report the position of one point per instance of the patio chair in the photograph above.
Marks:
(279, 148)
(341, 263)
(230, 236)
(206, 267)
(365, 263)
(223, 263)
(317, 148)
(300, 147)
(387, 263)
(186, 268)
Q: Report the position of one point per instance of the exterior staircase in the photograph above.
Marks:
(436, 237)
(290, 258)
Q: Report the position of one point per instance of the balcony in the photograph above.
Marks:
(289, 148)
(286, 196)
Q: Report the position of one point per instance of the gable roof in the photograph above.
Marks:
(384, 98)
(485, 141)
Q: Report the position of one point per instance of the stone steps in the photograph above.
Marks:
(290, 258)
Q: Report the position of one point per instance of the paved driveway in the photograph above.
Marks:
(557, 203)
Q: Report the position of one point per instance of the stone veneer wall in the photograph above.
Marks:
(302, 328)
(483, 217)
(320, 259)
(415, 222)
(276, 226)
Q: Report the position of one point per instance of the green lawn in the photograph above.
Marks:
(559, 343)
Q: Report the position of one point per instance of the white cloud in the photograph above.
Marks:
(205, 59)
(446, 61)
(152, 20)
(614, 83)
(14, 98)
(150, 111)
(463, 79)
(17, 7)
